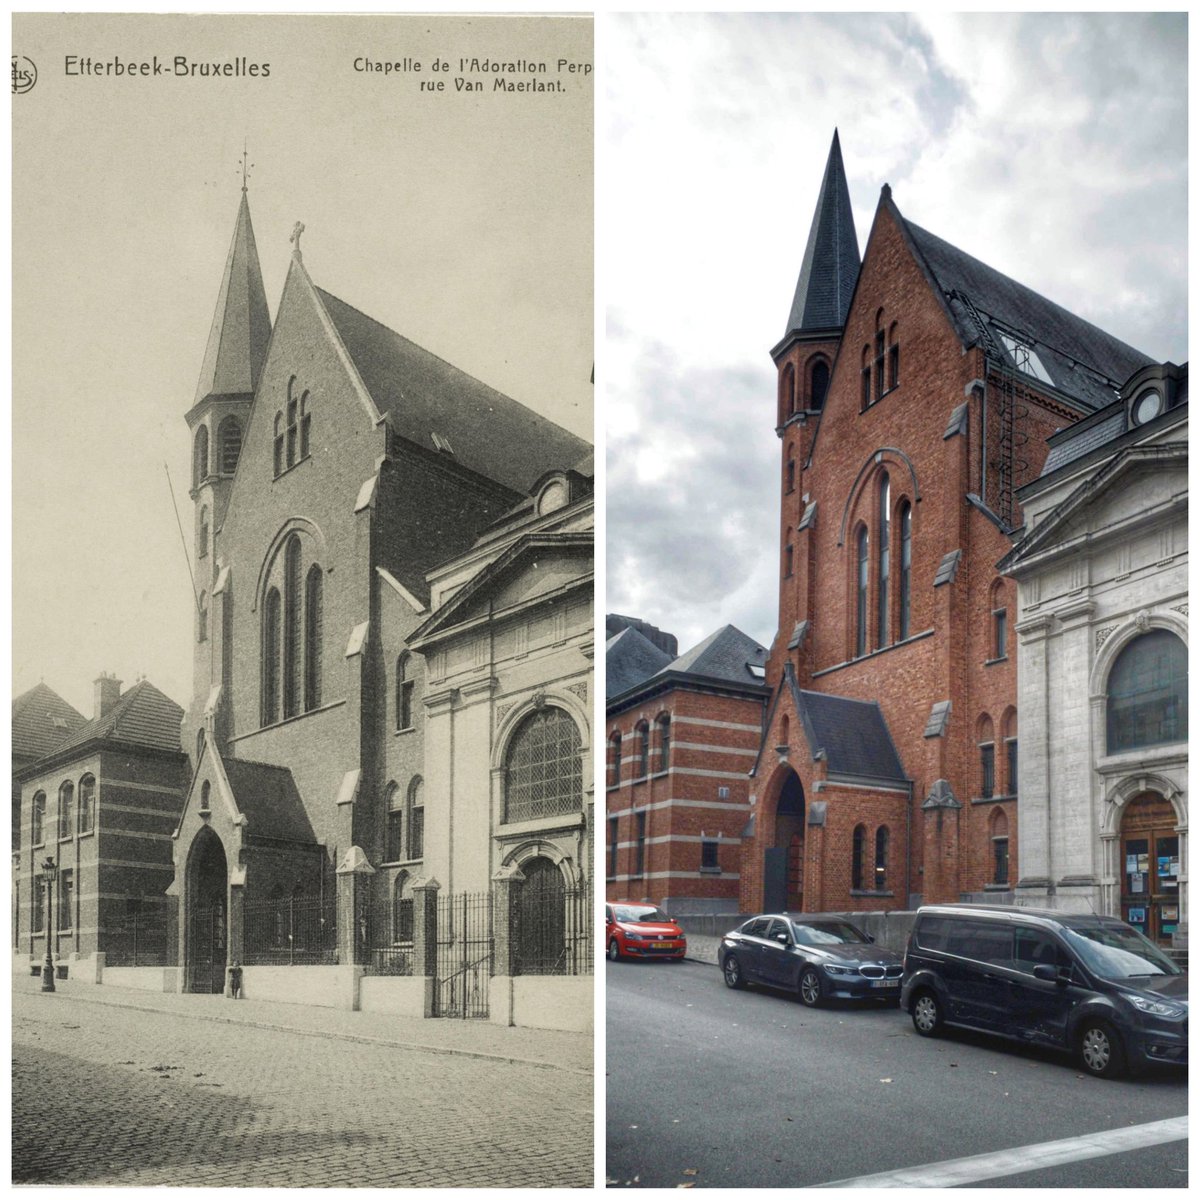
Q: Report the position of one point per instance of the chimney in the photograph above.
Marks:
(108, 692)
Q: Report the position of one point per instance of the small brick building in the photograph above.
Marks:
(682, 733)
(917, 388)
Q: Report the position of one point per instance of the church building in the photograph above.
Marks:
(392, 565)
(917, 391)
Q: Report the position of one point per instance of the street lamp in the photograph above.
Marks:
(50, 874)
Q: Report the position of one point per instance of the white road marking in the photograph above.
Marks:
(958, 1171)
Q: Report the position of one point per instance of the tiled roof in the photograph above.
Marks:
(41, 720)
(1091, 438)
(629, 659)
(268, 797)
(486, 431)
(852, 734)
(829, 270)
(1075, 353)
(726, 654)
(142, 716)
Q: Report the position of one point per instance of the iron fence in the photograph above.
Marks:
(553, 931)
(138, 937)
(290, 931)
(465, 951)
(389, 937)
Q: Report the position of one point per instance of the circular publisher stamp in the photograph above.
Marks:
(24, 74)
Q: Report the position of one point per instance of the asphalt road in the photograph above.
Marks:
(717, 1088)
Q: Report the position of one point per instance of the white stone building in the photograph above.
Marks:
(1101, 568)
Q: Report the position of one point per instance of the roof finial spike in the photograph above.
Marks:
(295, 240)
(246, 165)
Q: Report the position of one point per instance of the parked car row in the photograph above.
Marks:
(1084, 983)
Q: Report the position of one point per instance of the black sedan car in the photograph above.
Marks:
(820, 958)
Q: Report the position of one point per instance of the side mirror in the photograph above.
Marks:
(1049, 973)
(783, 939)
(870, 938)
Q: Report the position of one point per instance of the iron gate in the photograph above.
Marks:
(206, 949)
(464, 955)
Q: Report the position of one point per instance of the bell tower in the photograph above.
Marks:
(233, 361)
(804, 360)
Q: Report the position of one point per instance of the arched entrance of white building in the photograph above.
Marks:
(1149, 866)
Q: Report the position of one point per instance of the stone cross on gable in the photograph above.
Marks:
(295, 238)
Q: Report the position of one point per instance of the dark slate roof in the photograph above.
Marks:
(666, 642)
(41, 720)
(268, 797)
(831, 261)
(726, 654)
(143, 716)
(241, 328)
(488, 432)
(1074, 351)
(630, 659)
(852, 734)
(1087, 440)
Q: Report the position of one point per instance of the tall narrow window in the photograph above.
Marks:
(202, 542)
(87, 804)
(643, 750)
(404, 692)
(987, 771)
(884, 551)
(66, 900)
(820, 385)
(860, 641)
(1010, 748)
(905, 624)
(710, 854)
(402, 909)
(881, 858)
(999, 848)
(394, 850)
(200, 462)
(278, 444)
(879, 364)
(291, 627)
(893, 358)
(37, 831)
(305, 426)
(614, 760)
(1000, 633)
(787, 393)
(416, 819)
(292, 406)
(791, 474)
(202, 618)
(787, 558)
(230, 436)
(856, 857)
(639, 867)
(66, 810)
(38, 917)
(612, 847)
(664, 742)
(271, 656)
(312, 638)
(866, 378)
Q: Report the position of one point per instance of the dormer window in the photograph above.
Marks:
(1026, 359)
(442, 443)
(1147, 406)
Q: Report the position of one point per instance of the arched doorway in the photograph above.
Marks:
(541, 918)
(1149, 866)
(207, 925)
(783, 862)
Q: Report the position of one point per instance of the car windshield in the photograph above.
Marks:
(638, 912)
(1118, 952)
(821, 933)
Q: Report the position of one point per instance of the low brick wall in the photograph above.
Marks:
(565, 1002)
(404, 996)
(323, 987)
(889, 929)
(142, 979)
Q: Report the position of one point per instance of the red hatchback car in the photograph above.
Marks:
(642, 931)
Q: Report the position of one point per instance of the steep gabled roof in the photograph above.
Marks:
(143, 716)
(41, 720)
(630, 659)
(270, 800)
(727, 654)
(831, 260)
(241, 328)
(438, 407)
(1080, 359)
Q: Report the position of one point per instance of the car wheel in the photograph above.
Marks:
(810, 987)
(926, 1014)
(614, 951)
(733, 972)
(1100, 1050)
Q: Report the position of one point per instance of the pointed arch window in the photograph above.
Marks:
(278, 444)
(543, 768)
(987, 758)
(788, 557)
(202, 618)
(860, 637)
(305, 426)
(865, 399)
(893, 358)
(405, 686)
(200, 459)
(312, 638)
(820, 385)
(905, 598)
(787, 393)
(881, 858)
(416, 818)
(879, 352)
(291, 627)
(394, 850)
(791, 472)
(230, 438)
(856, 857)
(884, 552)
(271, 658)
(402, 909)
(292, 428)
(999, 848)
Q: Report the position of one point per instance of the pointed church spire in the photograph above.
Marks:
(241, 328)
(831, 261)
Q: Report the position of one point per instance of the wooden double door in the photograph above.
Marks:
(1149, 867)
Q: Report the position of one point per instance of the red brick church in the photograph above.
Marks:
(917, 388)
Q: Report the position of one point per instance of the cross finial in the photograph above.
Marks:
(295, 238)
(246, 165)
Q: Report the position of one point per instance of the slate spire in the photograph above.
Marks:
(831, 260)
(241, 328)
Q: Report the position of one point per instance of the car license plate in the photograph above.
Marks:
(885, 983)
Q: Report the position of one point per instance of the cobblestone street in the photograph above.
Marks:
(104, 1094)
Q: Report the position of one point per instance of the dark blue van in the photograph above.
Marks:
(1079, 982)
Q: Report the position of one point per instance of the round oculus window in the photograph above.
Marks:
(1147, 406)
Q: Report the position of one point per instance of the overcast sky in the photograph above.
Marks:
(463, 221)
(1054, 148)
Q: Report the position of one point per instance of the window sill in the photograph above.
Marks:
(870, 892)
(710, 870)
(297, 463)
(405, 729)
(87, 833)
(997, 887)
(990, 799)
(565, 820)
(401, 862)
(991, 662)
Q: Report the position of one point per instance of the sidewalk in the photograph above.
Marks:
(702, 949)
(474, 1038)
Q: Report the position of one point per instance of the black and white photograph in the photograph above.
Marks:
(896, 603)
(302, 601)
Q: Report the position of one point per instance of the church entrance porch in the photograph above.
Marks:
(207, 922)
(1149, 867)
(783, 862)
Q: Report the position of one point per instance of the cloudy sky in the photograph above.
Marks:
(1054, 148)
(463, 221)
